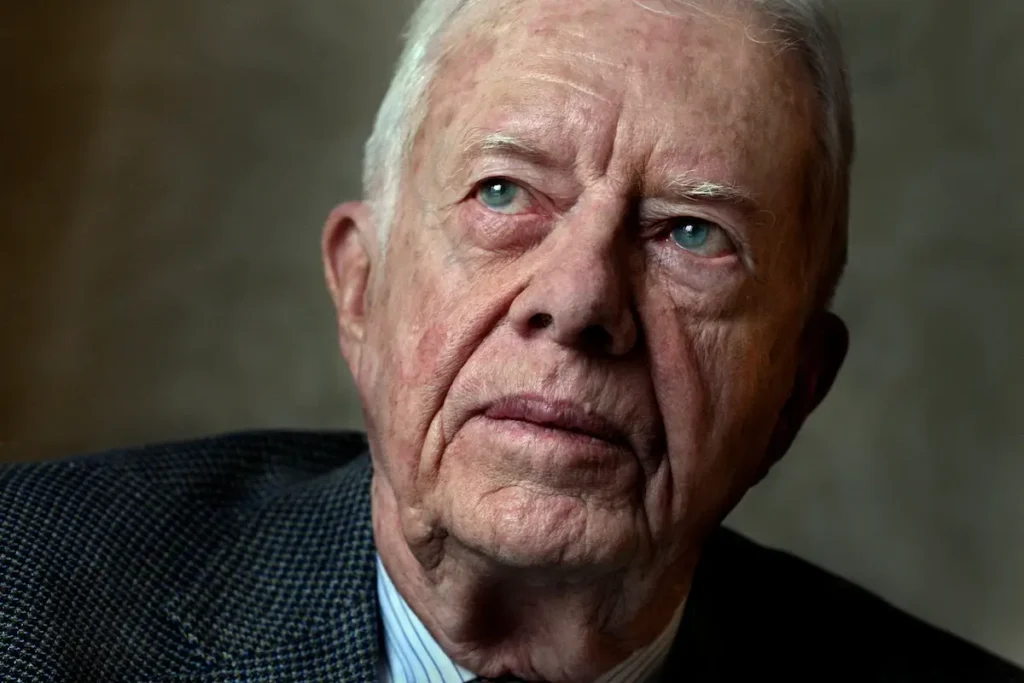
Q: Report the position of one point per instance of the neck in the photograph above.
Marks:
(496, 620)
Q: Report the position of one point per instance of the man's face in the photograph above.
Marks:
(589, 319)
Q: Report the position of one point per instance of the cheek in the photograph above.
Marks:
(427, 329)
(424, 331)
(717, 394)
(745, 397)
(413, 316)
(405, 337)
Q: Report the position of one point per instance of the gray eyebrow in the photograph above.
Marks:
(688, 188)
(477, 143)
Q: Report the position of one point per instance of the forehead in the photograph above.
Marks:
(677, 86)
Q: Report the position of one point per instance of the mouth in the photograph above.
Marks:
(565, 416)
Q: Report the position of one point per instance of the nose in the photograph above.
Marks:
(580, 296)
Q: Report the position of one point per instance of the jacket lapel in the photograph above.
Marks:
(290, 595)
(702, 650)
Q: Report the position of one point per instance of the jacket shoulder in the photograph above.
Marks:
(773, 611)
(98, 544)
(222, 471)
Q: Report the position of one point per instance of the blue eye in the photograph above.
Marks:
(700, 236)
(499, 194)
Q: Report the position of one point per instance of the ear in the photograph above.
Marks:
(823, 348)
(348, 246)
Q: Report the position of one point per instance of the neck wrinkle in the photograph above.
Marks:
(458, 609)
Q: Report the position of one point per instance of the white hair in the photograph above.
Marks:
(806, 27)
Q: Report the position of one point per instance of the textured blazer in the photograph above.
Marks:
(250, 557)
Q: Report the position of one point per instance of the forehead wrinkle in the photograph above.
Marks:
(592, 57)
(585, 39)
(559, 80)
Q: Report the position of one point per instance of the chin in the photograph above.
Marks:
(525, 528)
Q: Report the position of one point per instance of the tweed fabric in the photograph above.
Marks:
(246, 557)
(250, 558)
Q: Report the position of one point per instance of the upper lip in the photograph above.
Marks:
(559, 414)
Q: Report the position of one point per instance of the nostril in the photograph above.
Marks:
(540, 321)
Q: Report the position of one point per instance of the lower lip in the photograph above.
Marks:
(570, 444)
(554, 459)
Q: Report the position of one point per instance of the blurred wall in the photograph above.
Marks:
(166, 167)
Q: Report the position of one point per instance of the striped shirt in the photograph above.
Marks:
(412, 654)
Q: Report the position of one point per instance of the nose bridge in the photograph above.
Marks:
(587, 267)
(592, 243)
(580, 291)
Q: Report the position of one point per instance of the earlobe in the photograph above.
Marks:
(347, 259)
(823, 349)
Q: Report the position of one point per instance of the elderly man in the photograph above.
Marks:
(586, 308)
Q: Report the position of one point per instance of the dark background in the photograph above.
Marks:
(166, 166)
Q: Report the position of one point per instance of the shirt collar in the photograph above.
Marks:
(411, 654)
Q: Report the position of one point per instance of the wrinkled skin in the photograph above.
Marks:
(526, 550)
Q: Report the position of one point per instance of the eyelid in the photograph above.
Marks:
(532, 196)
(657, 220)
(727, 247)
